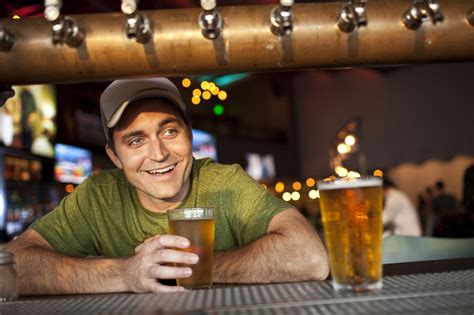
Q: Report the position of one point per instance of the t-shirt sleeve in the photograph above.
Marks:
(254, 207)
(67, 228)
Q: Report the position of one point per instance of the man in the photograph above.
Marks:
(399, 215)
(111, 233)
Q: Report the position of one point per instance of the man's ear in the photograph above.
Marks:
(113, 156)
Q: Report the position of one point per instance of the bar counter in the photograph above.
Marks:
(427, 287)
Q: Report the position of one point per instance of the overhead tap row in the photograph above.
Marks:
(353, 15)
(230, 39)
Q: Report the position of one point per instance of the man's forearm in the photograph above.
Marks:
(272, 258)
(42, 271)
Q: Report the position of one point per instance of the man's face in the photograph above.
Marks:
(153, 148)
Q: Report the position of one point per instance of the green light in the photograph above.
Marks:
(218, 109)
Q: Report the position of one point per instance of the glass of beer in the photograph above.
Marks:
(197, 225)
(351, 210)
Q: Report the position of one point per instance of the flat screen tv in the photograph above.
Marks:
(204, 145)
(73, 164)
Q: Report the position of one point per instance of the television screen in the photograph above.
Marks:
(73, 164)
(27, 120)
(204, 145)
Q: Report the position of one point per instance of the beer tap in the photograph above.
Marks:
(353, 15)
(420, 11)
(138, 25)
(210, 20)
(470, 16)
(65, 29)
(6, 39)
(281, 18)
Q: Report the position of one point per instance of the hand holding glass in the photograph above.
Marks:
(197, 225)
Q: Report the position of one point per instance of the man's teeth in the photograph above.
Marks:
(163, 170)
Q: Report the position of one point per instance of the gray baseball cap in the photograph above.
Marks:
(120, 93)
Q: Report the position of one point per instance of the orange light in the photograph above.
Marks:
(196, 100)
(206, 95)
(296, 185)
(222, 95)
(197, 92)
(204, 85)
(186, 82)
(378, 173)
(310, 182)
(69, 188)
(279, 187)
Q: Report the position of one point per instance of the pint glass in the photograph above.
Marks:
(197, 225)
(351, 212)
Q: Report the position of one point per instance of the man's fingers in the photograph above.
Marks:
(140, 247)
(165, 272)
(157, 287)
(160, 241)
(166, 255)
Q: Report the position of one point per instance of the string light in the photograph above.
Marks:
(295, 196)
(222, 95)
(343, 148)
(378, 173)
(286, 196)
(313, 194)
(279, 187)
(204, 85)
(296, 185)
(206, 95)
(215, 91)
(186, 82)
(197, 92)
(196, 100)
(350, 140)
(341, 171)
(310, 182)
(352, 174)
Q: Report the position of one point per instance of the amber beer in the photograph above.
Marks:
(351, 212)
(197, 225)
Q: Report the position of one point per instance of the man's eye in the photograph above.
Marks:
(170, 132)
(136, 141)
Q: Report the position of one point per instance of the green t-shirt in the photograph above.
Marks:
(103, 216)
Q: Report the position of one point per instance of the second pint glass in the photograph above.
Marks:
(351, 211)
(197, 225)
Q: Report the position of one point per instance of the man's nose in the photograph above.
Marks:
(158, 150)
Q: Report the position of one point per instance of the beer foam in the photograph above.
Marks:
(344, 183)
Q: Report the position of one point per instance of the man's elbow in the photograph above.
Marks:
(321, 262)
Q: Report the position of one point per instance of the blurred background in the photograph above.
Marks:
(411, 124)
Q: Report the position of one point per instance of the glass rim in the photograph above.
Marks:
(191, 213)
(350, 182)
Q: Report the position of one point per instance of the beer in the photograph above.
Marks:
(197, 225)
(351, 212)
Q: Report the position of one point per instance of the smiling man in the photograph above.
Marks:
(111, 233)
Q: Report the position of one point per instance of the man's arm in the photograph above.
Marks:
(43, 271)
(290, 251)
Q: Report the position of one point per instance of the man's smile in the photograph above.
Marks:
(160, 171)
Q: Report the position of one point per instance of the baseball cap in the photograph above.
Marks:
(120, 93)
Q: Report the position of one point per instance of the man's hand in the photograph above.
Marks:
(70, 275)
(153, 260)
